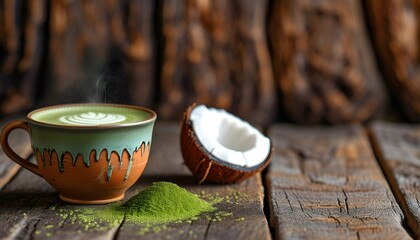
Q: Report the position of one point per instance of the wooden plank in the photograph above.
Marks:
(397, 55)
(26, 204)
(19, 140)
(106, 57)
(398, 149)
(324, 183)
(322, 61)
(216, 53)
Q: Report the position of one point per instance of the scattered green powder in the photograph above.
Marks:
(153, 208)
(164, 202)
(49, 226)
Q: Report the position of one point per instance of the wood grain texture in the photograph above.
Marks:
(395, 29)
(398, 149)
(216, 53)
(324, 183)
(101, 51)
(323, 62)
(25, 204)
(22, 45)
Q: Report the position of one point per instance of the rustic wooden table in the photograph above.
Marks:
(323, 183)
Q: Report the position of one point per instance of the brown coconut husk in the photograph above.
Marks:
(208, 168)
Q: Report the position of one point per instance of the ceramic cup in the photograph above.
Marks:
(90, 153)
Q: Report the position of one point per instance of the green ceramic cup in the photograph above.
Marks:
(90, 153)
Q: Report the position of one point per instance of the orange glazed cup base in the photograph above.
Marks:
(99, 201)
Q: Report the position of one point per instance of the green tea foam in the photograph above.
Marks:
(90, 115)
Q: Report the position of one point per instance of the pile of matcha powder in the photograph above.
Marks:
(164, 202)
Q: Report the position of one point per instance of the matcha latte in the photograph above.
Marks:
(54, 128)
(90, 115)
(80, 147)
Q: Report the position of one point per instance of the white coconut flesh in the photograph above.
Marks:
(229, 138)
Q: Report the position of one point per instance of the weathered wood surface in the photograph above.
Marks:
(22, 45)
(398, 149)
(324, 183)
(216, 53)
(101, 51)
(19, 140)
(323, 61)
(30, 208)
(395, 29)
(170, 53)
(161, 53)
(77, 51)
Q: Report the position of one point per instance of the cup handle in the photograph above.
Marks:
(4, 140)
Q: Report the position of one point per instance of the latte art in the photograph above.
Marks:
(86, 115)
(92, 119)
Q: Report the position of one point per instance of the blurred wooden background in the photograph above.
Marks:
(305, 61)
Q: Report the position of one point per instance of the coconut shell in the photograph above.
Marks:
(206, 167)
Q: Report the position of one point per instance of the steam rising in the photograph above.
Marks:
(100, 87)
(110, 86)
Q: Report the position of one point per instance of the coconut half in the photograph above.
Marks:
(220, 147)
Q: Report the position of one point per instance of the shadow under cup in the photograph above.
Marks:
(90, 153)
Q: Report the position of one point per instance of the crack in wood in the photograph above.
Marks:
(288, 200)
(117, 231)
(61, 223)
(337, 221)
(303, 209)
(32, 235)
(340, 208)
(207, 229)
(346, 202)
